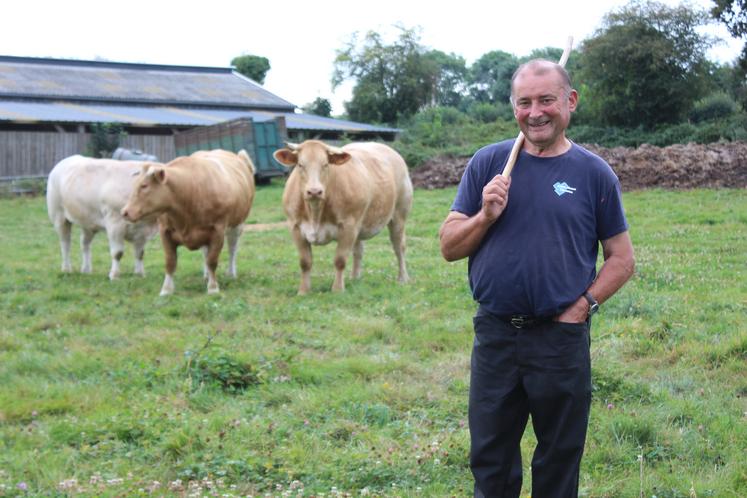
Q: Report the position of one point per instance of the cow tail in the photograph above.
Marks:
(248, 161)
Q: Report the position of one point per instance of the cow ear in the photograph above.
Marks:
(286, 157)
(160, 175)
(337, 157)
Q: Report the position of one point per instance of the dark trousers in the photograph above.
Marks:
(545, 372)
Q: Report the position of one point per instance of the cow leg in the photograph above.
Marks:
(346, 239)
(116, 248)
(357, 258)
(305, 259)
(86, 236)
(232, 237)
(169, 251)
(211, 260)
(138, 246)
(64, 230)
(204, 262)
(397, 237)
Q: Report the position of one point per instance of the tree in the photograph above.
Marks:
(252, 66)
(105, 138)
(319, 107)
(489, 77)
(449, 72)
(733, 13)
(393, 81)
(647, 64)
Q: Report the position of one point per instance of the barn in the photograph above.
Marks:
(49, 107)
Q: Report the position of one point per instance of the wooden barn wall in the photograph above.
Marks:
(34, 153)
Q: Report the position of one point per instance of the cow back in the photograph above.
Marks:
(89, 190)
(212, 185)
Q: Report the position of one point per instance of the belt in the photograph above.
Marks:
(524, 321)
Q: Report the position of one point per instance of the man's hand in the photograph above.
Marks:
(495, 197)
(576, 313)
(460, 235)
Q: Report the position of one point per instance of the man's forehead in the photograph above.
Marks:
(537, 83)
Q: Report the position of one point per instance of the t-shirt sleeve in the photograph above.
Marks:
(611, 220)
(468, 199)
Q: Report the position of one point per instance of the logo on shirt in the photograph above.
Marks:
(563, 188)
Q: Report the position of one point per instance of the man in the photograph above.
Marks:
(532, 242)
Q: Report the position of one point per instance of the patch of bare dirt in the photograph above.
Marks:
(718, 165)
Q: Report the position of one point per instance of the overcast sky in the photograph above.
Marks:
(299, 37)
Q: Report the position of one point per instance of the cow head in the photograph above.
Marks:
(149, 194)
(311, 161)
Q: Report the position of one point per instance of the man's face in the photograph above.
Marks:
(542, 107)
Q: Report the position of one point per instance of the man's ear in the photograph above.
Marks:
(573, 100)
(286, 157)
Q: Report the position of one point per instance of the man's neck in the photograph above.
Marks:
(559, 147)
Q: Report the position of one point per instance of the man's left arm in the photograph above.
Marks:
(618, 267)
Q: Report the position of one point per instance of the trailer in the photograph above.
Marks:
(259, 138)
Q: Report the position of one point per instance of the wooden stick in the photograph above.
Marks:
(519, 142)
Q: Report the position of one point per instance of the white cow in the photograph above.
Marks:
(91, 193)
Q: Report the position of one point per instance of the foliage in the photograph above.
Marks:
(105, 138)
(730, 128)
(488, 113)
(395, 81)
(221, 369)
(449, 72)
(490, 77)
(319, 107)
(715, 106)
(364, 392)
(733, 13)
(254, 67)
(646, 65)
(446, 130)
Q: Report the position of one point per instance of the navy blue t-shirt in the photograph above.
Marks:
(541, 253)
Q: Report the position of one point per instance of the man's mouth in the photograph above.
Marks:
(538, 124)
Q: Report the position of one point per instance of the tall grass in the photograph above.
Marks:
(107, 389)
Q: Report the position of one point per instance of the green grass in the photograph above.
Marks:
(107, 389)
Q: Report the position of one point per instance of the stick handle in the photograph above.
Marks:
(520, 139)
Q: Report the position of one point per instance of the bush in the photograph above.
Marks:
(715, 106)
(228, 373)
(487, 113)
(105, 138)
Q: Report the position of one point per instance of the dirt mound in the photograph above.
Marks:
(678, 166)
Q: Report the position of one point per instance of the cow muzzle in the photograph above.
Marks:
(127, 214)
(314, 193)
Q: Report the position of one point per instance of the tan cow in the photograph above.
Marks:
(345, 194)
(199, 200)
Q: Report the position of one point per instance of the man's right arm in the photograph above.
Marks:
(460, 235)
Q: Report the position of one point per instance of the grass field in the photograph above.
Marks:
(107, 389)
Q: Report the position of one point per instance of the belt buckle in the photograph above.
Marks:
(520, 321)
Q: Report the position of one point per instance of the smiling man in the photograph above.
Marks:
(532, 241)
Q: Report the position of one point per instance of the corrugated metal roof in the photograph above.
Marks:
(142, 115)
(59, 79)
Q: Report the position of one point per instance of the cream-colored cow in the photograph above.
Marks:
(90, 193)
(199, 200)
(345, 194)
